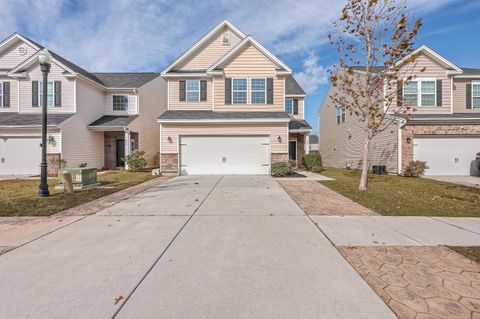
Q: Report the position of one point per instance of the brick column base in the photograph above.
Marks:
(279, 157)
(169, 163)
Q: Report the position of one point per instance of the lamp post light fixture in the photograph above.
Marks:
(44, 58)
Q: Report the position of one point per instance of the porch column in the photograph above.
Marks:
(128, 144)
(306, 138)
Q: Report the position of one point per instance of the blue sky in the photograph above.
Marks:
(129, 35)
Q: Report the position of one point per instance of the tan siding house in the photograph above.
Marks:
(227, 109)
(443, 130)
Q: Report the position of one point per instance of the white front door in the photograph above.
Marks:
(20, 155)
(224, 155)
(446, 155)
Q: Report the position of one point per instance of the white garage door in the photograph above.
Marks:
(224, 155)
(20, 155)
(446, 156)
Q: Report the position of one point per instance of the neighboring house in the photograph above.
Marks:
(93, 118)
(444, 129)
(313, 143)
(233, 108)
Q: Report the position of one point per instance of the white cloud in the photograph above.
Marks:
(312, 75)
(126, 35)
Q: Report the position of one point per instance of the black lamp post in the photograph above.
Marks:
(44, 59)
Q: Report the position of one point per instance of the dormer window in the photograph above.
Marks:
(226, 38)
(120, 102)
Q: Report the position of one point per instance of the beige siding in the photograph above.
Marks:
(176, 130)
(336, 147)
(175, 104)
(431, 70)
(210, 52)
(81, 145)
(153, 102)
(68, 84)
(13, 95)
(132, 103)
(10, 58)
(460, 96)
(52, 148)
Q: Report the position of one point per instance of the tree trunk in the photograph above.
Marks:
(364, 178)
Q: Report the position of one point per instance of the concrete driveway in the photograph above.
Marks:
(470, 181)
(193, 247)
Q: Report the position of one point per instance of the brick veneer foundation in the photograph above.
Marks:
(169, 163)
(279, 157)
(410, 131)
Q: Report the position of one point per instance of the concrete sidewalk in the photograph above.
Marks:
(400, 231)
(193, 247)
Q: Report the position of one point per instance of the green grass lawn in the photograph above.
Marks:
(472, 253)
(19, 197)
(406, 196)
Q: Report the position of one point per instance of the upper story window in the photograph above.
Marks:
(239, 91)
(341, 115)
(193, 90)
(1, 94)
(291, 106)
(259, 90)
(50, 93)
(476, 94)
(420, 92)
(120, 102)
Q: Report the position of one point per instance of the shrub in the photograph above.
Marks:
(415, 169)
(317, 169)
(57, 164)
(135, 161)
(292, 163)
(282, 169)
(312, 160)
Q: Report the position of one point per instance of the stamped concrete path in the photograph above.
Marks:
(193, 247)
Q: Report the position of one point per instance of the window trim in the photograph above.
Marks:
(288, 99)
(474, 83)
(246, 90)
(1, 94)
(187, 90)
(340, 115)
(40, 94)
(419, 91)
(128, 102)
(252, 90)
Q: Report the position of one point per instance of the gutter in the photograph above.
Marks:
(193, 121)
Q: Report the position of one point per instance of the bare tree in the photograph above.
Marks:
(372, 35)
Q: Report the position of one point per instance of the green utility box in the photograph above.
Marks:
(82, 177)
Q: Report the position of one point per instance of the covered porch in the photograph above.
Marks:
(298, 140)
(119, 140)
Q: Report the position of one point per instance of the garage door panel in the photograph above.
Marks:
(446, 156)
(224, 155)
(20, 155)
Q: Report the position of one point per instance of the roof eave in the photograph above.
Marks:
(193, 121)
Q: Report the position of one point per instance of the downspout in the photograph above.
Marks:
(127, 144)
(401, 125)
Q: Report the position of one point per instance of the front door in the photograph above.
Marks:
(120, 153)
(292, 150)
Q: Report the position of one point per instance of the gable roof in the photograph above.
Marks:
(249, 40)
(292, 87)
(113, 121)
(203, 39)
(125, 80)
(433, 55)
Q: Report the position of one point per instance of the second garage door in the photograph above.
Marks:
(224, 155)
(446, 155)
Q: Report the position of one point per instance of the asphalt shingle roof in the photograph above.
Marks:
(114, 120)
(15, 119)
(298, 125)
(211, 115)
(292, 86)
(125, 80)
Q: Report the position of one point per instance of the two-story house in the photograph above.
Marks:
(233, 108)
(93, 118)
(443, 130)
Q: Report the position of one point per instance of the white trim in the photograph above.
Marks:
(265, 120)
(35, 57)
(251, 88)
(250, 39)
(138, 101)
(474, 83)
(168, 94)
(301, 130)
(467, 76)
(337, 115)
(246, 90)
(224, 23)
(213, 93)
(18, 36)
(401, 124)
(294, 95)
(75, 95)
(419, 91)
(194, 91)
(186, 75)
(451, 95)
(18, 92)
(431, 52)
(1, 95)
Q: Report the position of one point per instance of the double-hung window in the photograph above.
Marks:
(476, 94)
(239, 91)
(1, 94)
(421, 92)
(289, 106)
(341, 115)
(50, 93)
(120, 102)
(193, 90)
(259, 90)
